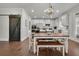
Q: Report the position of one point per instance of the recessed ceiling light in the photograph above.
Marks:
(44, 11)
(57, 11)
(32, 10)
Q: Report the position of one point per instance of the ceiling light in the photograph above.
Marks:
(32, 10)
(57, 11)
(49, 10)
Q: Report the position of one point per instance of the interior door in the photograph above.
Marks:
(14, 28)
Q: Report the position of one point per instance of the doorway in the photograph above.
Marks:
(14, 27)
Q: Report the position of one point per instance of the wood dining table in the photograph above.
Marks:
(50, 36)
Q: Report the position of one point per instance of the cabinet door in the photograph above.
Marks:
(77, 27)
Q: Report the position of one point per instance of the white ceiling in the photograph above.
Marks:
(39, 8)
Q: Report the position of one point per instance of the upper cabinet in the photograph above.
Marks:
(64, 23)
(77, 27)
(64, 20)
(75, 22)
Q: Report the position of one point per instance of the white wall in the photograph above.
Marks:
(72, 20)
(4, 28)
(63, 23)
(4, 22)
(24, 25)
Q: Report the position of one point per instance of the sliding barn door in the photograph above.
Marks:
(14, 28)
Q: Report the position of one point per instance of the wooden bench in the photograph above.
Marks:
(43, 44)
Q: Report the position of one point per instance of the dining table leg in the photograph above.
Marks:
(66, 45)
(34, 45)
(63, 52)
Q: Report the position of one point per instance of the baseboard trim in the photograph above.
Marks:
(4, 39)
(75, 40)
(24, 39)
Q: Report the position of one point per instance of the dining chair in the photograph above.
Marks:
(31, 41)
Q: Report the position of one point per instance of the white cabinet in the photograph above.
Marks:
(77, 27)
(64, 24)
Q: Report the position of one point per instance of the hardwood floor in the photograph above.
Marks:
(14, 48)
(21, 49)
(73, 48)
